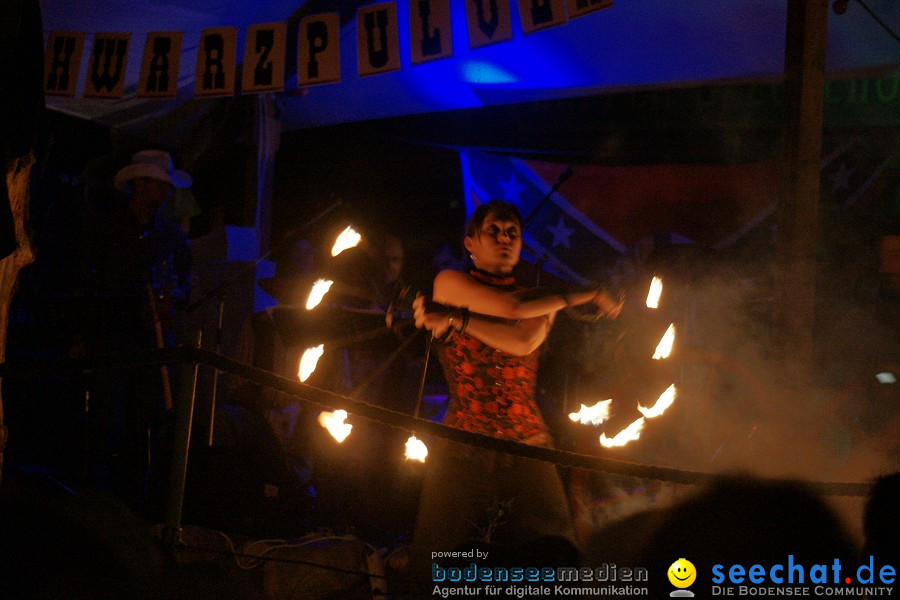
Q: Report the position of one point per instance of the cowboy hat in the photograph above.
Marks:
(154, 164)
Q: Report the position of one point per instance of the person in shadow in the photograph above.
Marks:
(137, 278)
(733, 519)
(881, 520)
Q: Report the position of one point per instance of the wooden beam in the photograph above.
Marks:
(797, 234)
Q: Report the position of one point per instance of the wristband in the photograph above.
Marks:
(465, 320)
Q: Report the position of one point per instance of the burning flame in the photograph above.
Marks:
(629, 434)
(594, 415)
(415, 449)
(309, 360)
(664, 348)
(664, 401)
(348, 238)
(334, 423)
(319, 289)
(655, 292)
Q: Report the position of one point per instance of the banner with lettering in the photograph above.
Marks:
(106, 71)
(377, 39)
(378, 31)
(488, 22)
(541, 15)
(264, 55)
(216, 62)
(159, 68)
(62, 62)
(430, 36)
(319, 49)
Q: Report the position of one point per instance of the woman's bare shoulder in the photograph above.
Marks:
(456, 288)
(452, 277)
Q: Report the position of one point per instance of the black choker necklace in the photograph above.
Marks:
(502, 281)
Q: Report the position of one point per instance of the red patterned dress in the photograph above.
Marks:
(491, 392)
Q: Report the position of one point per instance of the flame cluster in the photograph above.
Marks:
(336, 422)
(599, 413)
(416, 449)
(319, 289)
(348, 238)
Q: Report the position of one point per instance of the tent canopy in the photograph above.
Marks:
(627, 46)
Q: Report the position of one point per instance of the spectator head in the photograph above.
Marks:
(881, 520)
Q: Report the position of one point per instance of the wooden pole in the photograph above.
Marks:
(797, 234)
(21, 110)
(18, 174)
(160, 343)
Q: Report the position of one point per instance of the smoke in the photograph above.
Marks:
(740, 409)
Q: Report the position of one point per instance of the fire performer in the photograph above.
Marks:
(490, 335)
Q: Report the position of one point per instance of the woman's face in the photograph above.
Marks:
(496, 245)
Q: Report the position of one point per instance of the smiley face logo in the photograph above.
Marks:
(682, 573)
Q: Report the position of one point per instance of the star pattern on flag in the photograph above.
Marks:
(840, 179)
(561, 233)
(511, 189)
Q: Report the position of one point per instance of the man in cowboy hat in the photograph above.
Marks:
(136, 245)
(156, 165)
(151, 179)
(138, 276)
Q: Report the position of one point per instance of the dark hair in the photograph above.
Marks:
(881, 523)
(740, 517)
(500, 209)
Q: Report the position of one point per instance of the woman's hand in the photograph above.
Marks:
(432, 316)
(609, 305)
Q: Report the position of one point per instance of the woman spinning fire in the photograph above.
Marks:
(490, 335)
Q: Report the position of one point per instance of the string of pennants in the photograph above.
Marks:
(318, 48)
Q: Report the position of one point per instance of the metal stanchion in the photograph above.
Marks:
(424, 376)
(184, 415)
(215, 382)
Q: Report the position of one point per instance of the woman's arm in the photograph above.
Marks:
(454, 288)
(517, 337)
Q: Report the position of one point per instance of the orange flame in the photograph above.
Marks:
(416, 449)
(664, 401)
(319, 289)
(593, 415)
(309, 360)
(334, 423)
(664, 348)
(348, 238)
(629, 434)
(655, 292)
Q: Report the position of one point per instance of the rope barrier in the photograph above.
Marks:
(384, 416)
(403, 583)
